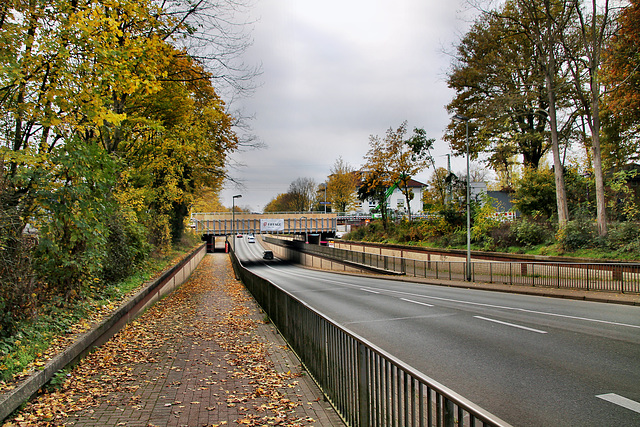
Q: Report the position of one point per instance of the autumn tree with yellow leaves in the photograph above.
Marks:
(110, 127)
(342, 186)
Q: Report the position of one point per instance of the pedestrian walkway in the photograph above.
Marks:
(203, 356)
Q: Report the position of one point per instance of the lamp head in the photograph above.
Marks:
(460, 118)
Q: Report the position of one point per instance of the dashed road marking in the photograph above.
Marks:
(511, 324)
(621, 401)
(417, 302)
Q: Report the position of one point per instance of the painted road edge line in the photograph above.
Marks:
(416, 302)
(621, 401)
(511, 324)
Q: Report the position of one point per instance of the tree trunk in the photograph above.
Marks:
(597, 169)
(561, 195)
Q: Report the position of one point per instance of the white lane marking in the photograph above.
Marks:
(370, 291)
(417, 302)
(511, 324)
(621, 401)
(524, 310)
(393, 319)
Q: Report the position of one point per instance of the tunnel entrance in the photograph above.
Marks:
(214, 243)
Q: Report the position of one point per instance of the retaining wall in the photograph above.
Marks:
(129, 310)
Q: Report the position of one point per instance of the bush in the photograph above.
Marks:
(530, 233)
(503, 235)
(126, 247)
(457, 238)
(578, 234)
(624, 237)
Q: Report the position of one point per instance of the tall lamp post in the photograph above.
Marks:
(233, 215)
(461, 118)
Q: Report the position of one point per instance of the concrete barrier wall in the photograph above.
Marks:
(308, 260)
(98, 335)
(409, 253)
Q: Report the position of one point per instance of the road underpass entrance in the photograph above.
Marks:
(313, 227)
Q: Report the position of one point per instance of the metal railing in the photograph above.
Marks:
(613, 277)
(366, 385)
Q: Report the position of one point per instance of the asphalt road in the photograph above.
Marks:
(532, 361)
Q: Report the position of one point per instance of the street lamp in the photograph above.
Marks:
(461, 118)
(233, 215)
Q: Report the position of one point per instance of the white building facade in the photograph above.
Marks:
(396, 201)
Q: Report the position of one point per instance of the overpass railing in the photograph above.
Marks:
(244, 222)
(366, 385)
(612, 277)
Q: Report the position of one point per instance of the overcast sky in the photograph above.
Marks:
(335, 72)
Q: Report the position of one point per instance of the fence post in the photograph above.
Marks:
(363, 386)
(511, 273)
(587, 277)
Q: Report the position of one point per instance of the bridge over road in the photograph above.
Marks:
(318, 225)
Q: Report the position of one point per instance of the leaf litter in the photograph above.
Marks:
(196, 350)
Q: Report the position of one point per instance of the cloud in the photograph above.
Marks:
(335, 72)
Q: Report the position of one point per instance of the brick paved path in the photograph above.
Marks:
(201, 357)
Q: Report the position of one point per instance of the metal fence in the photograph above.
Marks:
(366, 385)
(614, 277)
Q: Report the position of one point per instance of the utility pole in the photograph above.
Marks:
(449, 196)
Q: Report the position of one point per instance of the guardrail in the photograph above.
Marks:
(614, 277)
(365, 384)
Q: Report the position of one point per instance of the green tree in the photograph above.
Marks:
(73, 235)
(535, 193)
(438, 190)
(498, 83)
(584, 46)
(394, 160)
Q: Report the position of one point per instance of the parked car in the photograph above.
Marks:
(267, 255)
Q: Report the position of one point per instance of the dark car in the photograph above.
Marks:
(267, 255)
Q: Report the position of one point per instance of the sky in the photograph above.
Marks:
(335, 72)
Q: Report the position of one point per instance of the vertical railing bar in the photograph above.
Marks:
(360, 354)
(389, 387)
(413, 401)
(394, 375)
(448, 413)
(429, 407)
(378, 390)
(420, 405)
(405, 399)
(371, 366)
